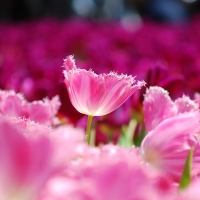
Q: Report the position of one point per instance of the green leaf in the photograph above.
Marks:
(186, 175)
(126, 138)
(140, 136)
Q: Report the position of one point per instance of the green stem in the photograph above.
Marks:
(88, 129)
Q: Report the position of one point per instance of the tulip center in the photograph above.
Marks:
(152, 157)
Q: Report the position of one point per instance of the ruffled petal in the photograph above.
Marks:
(157, 107)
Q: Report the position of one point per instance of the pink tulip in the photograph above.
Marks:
(167, 146)
(26, 164)
(158, 106)
(44, 111)
(15, 105)
(64, 139)
(97, 95)
(31, 154)
(108, 173)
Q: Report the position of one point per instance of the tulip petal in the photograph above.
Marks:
(157, 107)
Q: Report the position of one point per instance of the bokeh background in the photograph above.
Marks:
(160, 10)
(155, 40)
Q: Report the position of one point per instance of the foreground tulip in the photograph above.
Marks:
(26, 164)
(97, 95)
(108, 173)
(172, 128)
(166, 147)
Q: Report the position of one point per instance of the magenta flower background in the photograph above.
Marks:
(165, 55)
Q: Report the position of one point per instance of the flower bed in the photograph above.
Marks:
(144, 146)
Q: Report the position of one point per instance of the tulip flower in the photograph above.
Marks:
(167, 146)
(158, 106)
(172, 128)
(97, 95)
(108, 173)
(26, 164)
(15, 105)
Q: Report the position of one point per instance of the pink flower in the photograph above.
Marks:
(97, 95)
(158, 106)
(64, 139)
(44, 111)
(26, 163)
(172, 128)
(31, 154)
(167, 146)
(15, 105)
(108, 173)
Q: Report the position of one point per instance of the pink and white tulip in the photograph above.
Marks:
(167, 146)
(97, 95)
(172, 129)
